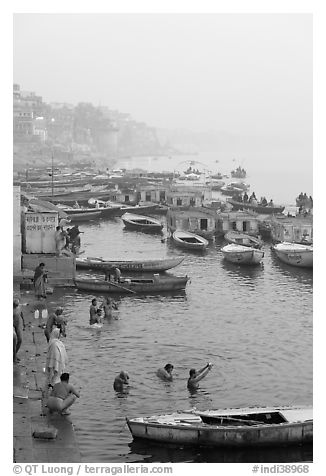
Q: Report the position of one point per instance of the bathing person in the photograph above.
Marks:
(63, 395)
(55, 320)
(40, 280)
(108, 305)
(196, 375)
(166, 372)
(93, 312)
(56, 359)
(121, 381)
(19, 326)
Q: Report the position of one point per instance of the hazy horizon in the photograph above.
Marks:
(246, 74)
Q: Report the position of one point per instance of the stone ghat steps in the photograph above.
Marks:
(54, 439)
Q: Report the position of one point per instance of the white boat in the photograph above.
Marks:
(188, 240)
(295, 254)
(233, 427)
(242, 254)
(141, 223)
(239, 238)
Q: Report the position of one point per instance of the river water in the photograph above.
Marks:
(253, 323)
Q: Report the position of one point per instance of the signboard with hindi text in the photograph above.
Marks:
(39, 232)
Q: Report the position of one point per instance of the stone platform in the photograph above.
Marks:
(56, 440)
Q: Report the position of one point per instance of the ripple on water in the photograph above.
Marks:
(254, 324)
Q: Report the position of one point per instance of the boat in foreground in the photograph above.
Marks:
(295, 254)
(135, 266)
(243, 239)
(242, 254)
(154, 284)
(261, 209)
(233, 427)
(141, 223)
(188, 240)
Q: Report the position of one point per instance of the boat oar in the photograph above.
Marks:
(121, 287)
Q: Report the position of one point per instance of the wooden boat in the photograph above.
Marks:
(188, 240)
(243, 239)
(151, 285)
(84, 216)
(235, 188)
(242, 254)
(261, 209)
(116, 209)
(230, 427)
(216, 186)
(238, 173)
(141, 223)
(151, 266)
(295, 254)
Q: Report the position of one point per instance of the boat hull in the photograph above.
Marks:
(141, 287)
(294, 254)
(181, 429)
(189, 241)
(243, 239)
(77, 217)
(134, 266)
(255, 208)
(242, 254)
(141, 223)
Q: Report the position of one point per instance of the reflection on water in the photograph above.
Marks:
(253, 323)
(151, 453)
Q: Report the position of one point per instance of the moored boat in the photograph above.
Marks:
(237, 427)
(242, 254)
(243, 239)
(150, 285)
(261, 209)
(141, 223)
(84, 216)
(295, 254)
(134, 266)
(185, 239)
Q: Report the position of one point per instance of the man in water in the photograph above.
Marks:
(93, 312)
(108, 305)
(196, 375)
(121, 381)
(166, 373)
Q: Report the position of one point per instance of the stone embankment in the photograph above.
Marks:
(37, 436)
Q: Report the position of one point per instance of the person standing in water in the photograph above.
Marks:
(196, 375)
(108, 305)
(165, 373)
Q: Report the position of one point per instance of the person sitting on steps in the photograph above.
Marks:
(63, 395)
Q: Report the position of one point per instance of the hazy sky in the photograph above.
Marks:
(241, 73)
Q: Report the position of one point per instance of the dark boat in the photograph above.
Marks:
(238, 238)
(116, 209)
(261, 209)
(152, 266)
(239, 172)
(152, 285)
(84, 216)
(141, 223)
